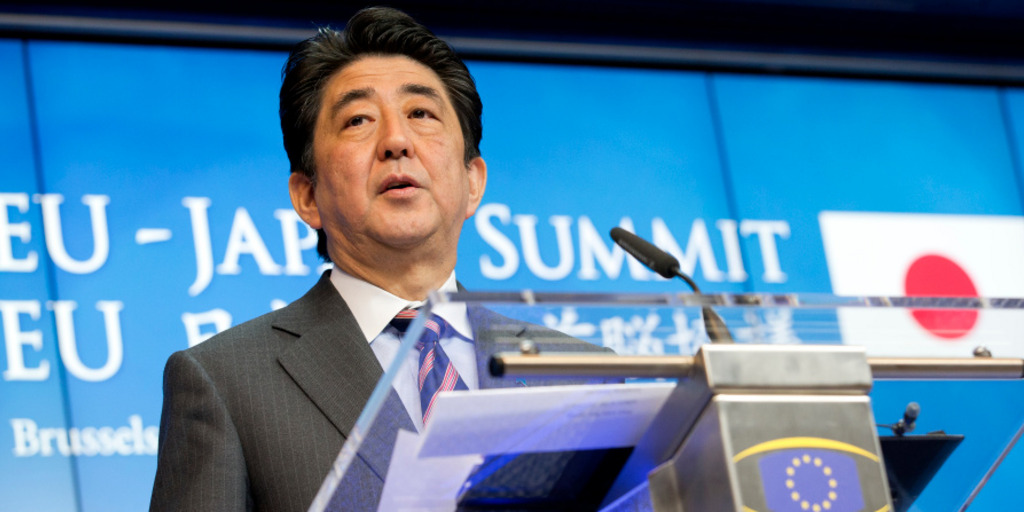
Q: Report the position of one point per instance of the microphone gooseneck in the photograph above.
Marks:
(667, 266)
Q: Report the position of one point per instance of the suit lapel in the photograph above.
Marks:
(337, 370)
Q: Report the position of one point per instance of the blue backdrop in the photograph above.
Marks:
(144, 207)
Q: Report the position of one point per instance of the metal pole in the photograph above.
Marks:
(600, 365)
(590, 365)
(946, 368)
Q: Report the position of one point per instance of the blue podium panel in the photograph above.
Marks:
(36, 471)
(575, 151)
(169, 220)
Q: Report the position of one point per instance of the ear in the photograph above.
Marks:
(303, 194)
(476, 172)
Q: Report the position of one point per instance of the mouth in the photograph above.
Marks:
(398, 183)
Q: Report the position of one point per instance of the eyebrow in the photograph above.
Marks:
(349, 97)
(422, 90)
(368, 92)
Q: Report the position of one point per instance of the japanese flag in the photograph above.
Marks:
(892, 254)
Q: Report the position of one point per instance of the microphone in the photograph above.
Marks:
(661, 262)
(667, 266)
(909, 420)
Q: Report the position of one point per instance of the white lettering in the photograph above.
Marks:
(26, 437)
(733, 256)
(15, 340)
(293, 244)
(46, 436)
(90, 441)
(137, 435)
(593, 250)
(66, 341)
(698, 248)
(599, 257)
(59, 436)
(133, 439)
(9, 230)
(107, 442)
(245, 239)
(83, 442)
(766, 231)
(194, 322)
(531, 249)
(497, 240)
(123, 441)
(54, 232)
(197, 207)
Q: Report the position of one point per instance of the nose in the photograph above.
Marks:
(394, 141)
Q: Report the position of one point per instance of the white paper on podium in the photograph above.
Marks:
(541, 419)
(422, 485)
(427, 470)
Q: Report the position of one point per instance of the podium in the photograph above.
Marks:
(781, 419)
(780, 428)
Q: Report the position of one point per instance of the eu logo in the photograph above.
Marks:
(809, 480)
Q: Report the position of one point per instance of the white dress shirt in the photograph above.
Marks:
(374, 308)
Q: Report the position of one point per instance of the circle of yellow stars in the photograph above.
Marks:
(815, 462)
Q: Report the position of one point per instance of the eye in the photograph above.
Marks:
(420, 113)
(356, 121)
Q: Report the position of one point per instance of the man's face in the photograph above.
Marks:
(389, 162)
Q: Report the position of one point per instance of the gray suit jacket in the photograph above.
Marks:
(254, 417)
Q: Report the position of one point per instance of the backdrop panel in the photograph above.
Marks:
(165, 177)
(145, 208)
(800, 147)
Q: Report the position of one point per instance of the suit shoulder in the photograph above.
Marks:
(241, 336)
(279, 326)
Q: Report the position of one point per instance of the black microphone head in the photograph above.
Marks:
(913, 409)
(661, 262)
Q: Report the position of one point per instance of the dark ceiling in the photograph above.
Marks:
(985, 32)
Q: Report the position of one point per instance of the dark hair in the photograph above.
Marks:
(373, 31)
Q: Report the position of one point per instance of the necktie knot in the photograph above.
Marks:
(437, 373)
(433, 329)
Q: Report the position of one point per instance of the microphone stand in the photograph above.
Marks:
(667, 266)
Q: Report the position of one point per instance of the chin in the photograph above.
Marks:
(405, 238)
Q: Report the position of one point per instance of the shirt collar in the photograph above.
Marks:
(374, 307)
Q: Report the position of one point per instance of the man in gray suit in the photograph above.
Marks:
(382, 127)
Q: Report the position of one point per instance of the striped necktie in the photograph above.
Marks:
(437, 373)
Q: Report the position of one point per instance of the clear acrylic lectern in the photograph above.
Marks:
(792, 410)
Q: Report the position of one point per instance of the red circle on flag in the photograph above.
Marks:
(938, 276)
